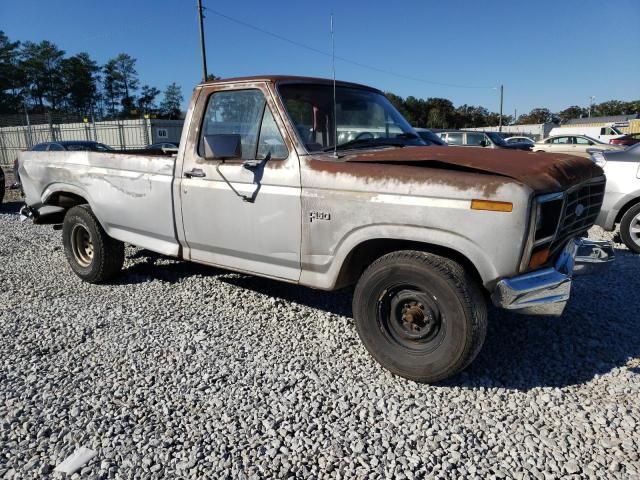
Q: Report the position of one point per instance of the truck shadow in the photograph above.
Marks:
(597, 333)
(11, 207)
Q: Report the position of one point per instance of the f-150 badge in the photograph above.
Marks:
(319, 216)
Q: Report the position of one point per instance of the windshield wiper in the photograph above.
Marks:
(366, 142)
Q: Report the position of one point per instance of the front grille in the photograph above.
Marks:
(589, 196)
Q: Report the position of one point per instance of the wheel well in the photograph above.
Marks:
(626, 207)
(65, 200)
(365, 253)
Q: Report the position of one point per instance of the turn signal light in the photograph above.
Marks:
(539, 258)
(491, 205)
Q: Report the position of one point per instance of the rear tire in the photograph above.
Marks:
(420, 315)
(92, 254)
(630, 228)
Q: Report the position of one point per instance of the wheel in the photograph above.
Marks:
(92, 254)
(630, 228)
(420, 315)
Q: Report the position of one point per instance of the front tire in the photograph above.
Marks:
(92, 254)
(630, 228)
(420, 315)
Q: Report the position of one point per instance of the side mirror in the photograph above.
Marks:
(222, 146)
(484, 143)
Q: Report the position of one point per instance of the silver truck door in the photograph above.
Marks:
(237, 217)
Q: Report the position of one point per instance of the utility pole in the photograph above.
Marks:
(202, 48)
(515, 116)
(501, 97)
(591, 99)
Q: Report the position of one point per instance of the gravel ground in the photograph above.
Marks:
(181, 371)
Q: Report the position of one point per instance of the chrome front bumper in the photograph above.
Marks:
(546, 291)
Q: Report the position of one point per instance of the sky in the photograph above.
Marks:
(546, 53)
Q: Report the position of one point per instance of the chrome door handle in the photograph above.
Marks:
(195, 173)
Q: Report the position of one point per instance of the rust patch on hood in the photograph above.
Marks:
(542, 172)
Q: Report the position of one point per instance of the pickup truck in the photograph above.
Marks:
(326, 185)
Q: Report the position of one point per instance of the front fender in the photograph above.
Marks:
(324, 274)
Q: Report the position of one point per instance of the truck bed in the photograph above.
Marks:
(130, 193)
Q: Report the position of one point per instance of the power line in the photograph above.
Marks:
(343, 59)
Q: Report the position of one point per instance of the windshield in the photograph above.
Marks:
(365, 118)
(496, 138)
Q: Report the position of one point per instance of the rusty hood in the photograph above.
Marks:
(543, 172)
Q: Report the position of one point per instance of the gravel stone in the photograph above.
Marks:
(176, 370)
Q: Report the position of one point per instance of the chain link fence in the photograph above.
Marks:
(21, 132)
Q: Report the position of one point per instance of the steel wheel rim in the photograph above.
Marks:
(81, 245)
(411, 318)
(634, 229)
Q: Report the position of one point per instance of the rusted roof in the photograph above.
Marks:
(287, 78)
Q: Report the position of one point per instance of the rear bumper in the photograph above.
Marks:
(42, 215)
(546, 291)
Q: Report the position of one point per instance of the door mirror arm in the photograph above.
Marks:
(243, 197)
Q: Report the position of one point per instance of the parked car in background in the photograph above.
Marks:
(627, 140)
(430, 137)
(621, 205)
(604, 134)
(163, 146)
(479, 139)
(65, 145)
(512, 140)
(580, 145)
(71, 145)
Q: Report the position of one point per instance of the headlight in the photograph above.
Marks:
(599, 159)
(545, 218)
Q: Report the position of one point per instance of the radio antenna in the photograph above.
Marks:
(335, 115)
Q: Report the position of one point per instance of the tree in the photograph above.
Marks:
(80, 74)
(211, 77)
(111, 86)
(146, 100)
(121, 82)
(42, 67)
(573, 111)
(611, 107)
(172, 102)
(440, 112)
(398, 102)
(11, 78)
(537, 115)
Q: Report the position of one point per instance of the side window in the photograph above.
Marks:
(454, 138)
(562, 140)
(234, 112)
(270, 141)
(581, 141)
(474, 138)
(603, 131)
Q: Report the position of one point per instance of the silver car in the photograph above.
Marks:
(580, 145)
(621, 204)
